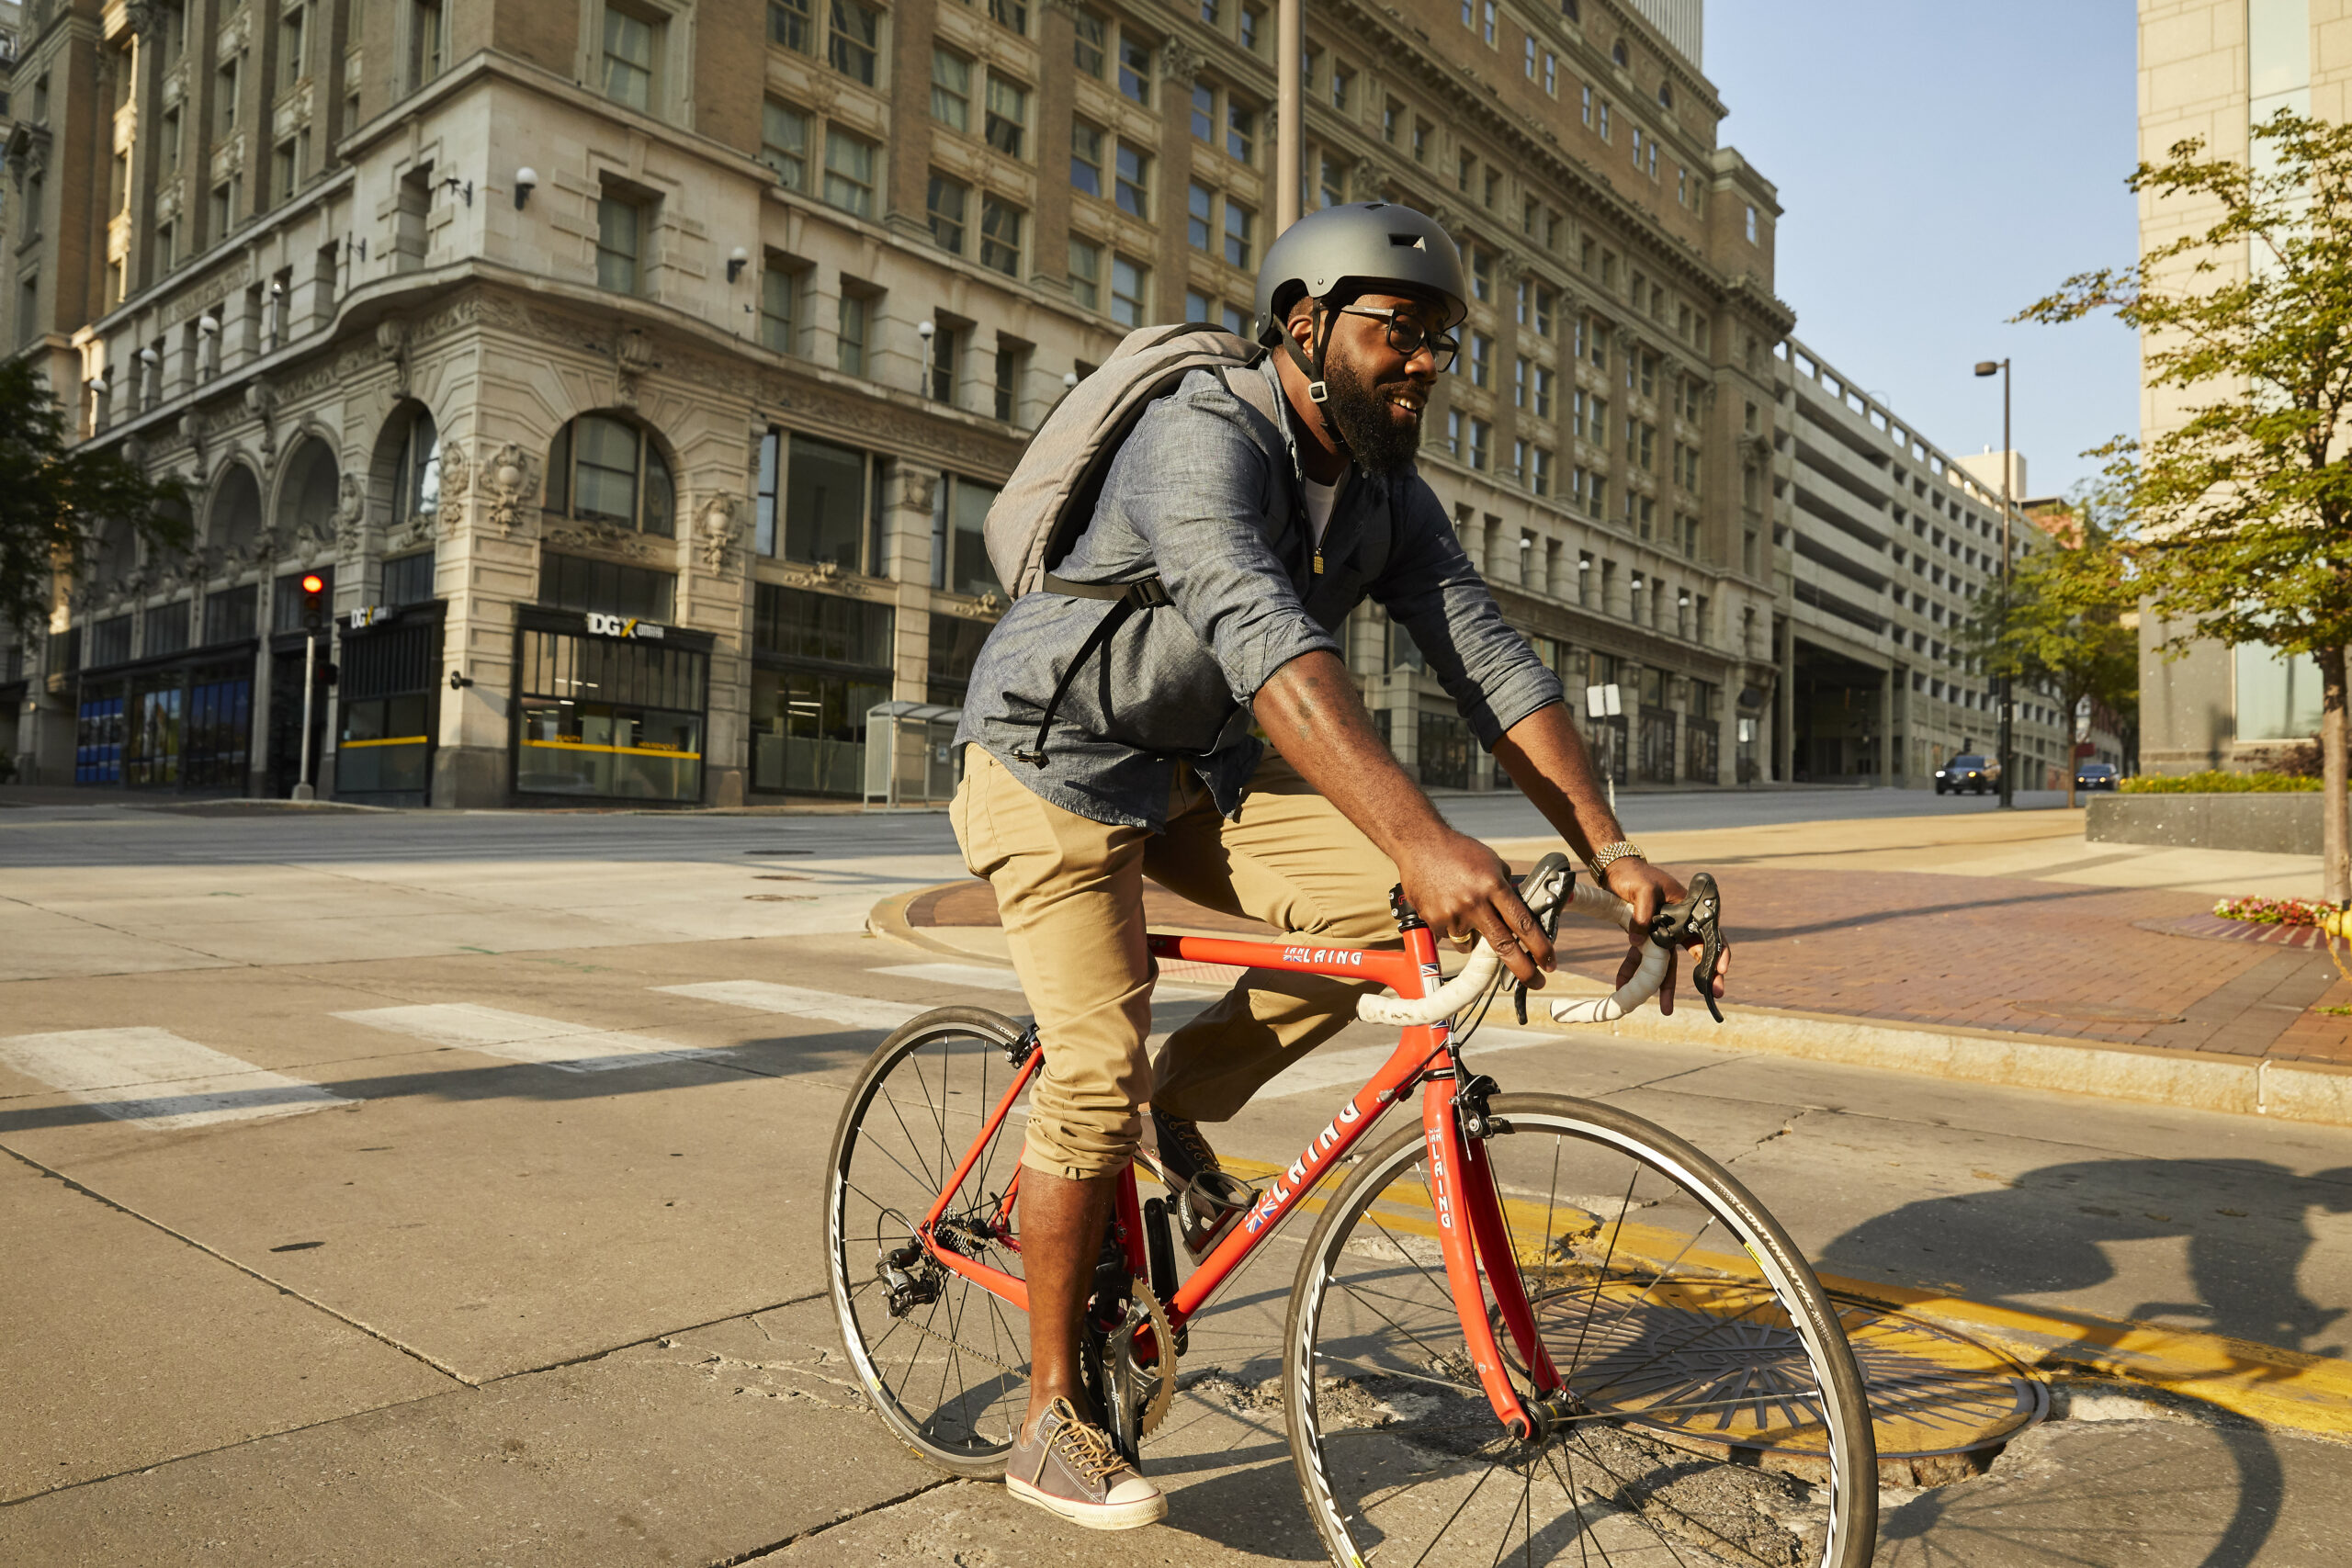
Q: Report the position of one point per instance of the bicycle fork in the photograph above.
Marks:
(1470, 1229)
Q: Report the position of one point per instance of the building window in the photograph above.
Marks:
(777, 289)
(1010, 14)
(230, 613)
(1085, 158)
(1001, 236)
(630, 42)
(619, 224)
(1392, 114)
(1421, 141)
(408, 579)
(1093, 31)
(1130, 291)
(1751, 224)
(1197, 216)
(1240, 227)
(854, 41)
(428, 41)
(1204, 113)
(1539, 472)
(606, 470)
(1085, 273)
(285, 173)
(1010, 361)
(416, 476)
(1240, 131)
(1482, 351)
(1481, 439)
(1008, 115)
(783, 144)
(951, 90)
(849, 172)
(1134, 182)
(850, 335)
(290, 61)
(1343, 87)
(1253, 26)
(225, 88)
(945, 205)
(791, 24)
(167, 629)
(828, 496)
(1134, 68)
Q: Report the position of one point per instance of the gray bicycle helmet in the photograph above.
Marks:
(1354, 246)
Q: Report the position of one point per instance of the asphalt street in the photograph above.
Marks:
(423, 1188)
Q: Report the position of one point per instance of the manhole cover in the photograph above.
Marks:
(1715, 1361)
(2097, 1012)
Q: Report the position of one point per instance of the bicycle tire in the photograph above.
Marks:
(954, 1403)
(1376, 1412)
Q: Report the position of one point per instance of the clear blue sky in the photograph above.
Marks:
(1943, 166)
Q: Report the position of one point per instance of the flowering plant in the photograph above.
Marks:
(2273, 911)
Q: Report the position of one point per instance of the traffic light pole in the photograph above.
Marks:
(303, 791)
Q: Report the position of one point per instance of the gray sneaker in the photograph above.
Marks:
(1070, 1468)
(1209, 1203)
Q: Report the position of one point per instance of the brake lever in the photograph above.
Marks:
(1546, 919)
(1696, 919)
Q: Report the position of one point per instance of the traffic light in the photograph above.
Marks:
(314, 601)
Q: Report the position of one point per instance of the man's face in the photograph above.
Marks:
(1378, 396)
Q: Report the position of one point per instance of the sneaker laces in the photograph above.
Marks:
(1083, 1447)
(1188, 1137)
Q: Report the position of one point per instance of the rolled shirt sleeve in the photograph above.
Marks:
(1488, 668)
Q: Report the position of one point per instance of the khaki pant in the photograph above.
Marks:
(1071, 893)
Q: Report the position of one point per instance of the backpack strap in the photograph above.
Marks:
(1146, 592)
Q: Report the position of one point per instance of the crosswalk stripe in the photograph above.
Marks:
(154, 1078)
(521, 1037)
(793, 1001)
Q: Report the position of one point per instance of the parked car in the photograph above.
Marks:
(1971, 773)
(2096, 775)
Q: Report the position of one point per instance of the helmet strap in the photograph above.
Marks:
(1318, 392)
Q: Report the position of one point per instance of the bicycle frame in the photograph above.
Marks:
(1468, 1210)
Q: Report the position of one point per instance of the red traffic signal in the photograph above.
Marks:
(314, 599)
(313, 583)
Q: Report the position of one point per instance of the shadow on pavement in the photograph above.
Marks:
(2044, 1233)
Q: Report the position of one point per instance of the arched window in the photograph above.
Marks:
(416, 477)
(604, 468)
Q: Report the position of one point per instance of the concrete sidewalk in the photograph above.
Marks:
(1991, 948)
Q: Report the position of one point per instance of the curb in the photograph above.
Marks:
(2317, 1092)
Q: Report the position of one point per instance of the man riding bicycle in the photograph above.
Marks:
(1266, 535)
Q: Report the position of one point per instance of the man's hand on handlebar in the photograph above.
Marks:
(1460, 886)
(1648, 890)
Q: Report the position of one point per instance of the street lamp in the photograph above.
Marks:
(1988, 368)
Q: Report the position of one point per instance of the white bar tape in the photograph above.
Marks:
(1591, 900)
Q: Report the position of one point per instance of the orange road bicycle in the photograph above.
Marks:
(1534, 1328)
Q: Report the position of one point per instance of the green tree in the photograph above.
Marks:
(56, 496)
(2243, 509)
(2059, 622)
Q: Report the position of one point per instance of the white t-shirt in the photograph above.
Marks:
(1320, 500)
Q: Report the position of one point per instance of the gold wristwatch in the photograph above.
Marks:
(1609, 855)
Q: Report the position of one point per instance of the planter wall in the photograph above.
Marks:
(2268, 824)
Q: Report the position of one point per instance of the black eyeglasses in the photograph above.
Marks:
(1407, 337)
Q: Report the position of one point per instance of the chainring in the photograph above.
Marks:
(1163, 1393)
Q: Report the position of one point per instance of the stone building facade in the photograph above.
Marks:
(637, 373)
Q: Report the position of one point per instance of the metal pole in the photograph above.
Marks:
(2008, 697)
(303, 791)
(1290, 109)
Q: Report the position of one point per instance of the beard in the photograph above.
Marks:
(1369, 426)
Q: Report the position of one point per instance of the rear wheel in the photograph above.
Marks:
(1715, 1415)
(946, 1362)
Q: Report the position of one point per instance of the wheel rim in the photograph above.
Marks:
(1701, 1433)
(950, 1370)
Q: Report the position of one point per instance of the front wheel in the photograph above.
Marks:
(946, 1362)
(1716, 1413)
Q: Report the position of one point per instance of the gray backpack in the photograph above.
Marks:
(1050, 499)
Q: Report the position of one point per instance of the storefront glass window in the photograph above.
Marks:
(824, 504)
(808, 730)
(959, 552)
(1444, 746)
(955, 644)
(97, 735)
(611, 718)
(792, 624)
(230, 613)
(408, 580)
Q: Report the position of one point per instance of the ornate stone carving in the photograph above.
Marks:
(599, 540)
(456, 476)
(632, 357)
(509, 480)
(28, 152)
(1179, 61)
(350, 520)
(1367, 181)
(143, 17)
(261, 403)
(987, 607)
(192, 430)
(392, 341)
(718, 528)
(918, 488)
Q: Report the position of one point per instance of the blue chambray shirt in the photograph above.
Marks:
(1206, 492)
